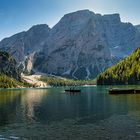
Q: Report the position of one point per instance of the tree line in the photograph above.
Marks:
(126, 71)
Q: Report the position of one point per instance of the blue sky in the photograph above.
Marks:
(19, 15)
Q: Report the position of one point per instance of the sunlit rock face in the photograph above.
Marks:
(83, 44)
(24, 45)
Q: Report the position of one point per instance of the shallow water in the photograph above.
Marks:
(52, 114)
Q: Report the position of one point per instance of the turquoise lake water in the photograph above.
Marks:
(52, 114)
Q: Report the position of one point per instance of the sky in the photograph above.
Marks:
(20, 15)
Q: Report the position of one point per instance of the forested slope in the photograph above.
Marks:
(126, 71)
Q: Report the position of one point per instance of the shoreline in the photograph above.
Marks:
(47, 87)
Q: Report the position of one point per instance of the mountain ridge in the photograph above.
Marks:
(81, 45)
(23, 45)
(76, 34)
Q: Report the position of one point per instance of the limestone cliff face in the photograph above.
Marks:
(23, 45)
(83, 44)
(138, 27)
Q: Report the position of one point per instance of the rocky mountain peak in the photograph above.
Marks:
(74, 20)
(80, 13)
(39, 27)
(112, 17)
(24, 45)
(81, 45)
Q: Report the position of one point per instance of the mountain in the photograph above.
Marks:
(83, 44)
(126, 71)
(22, 46)
(8, 66)
(138, 27)
(74, 48)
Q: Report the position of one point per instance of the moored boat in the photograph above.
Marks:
(72, 90)
(121, 91)
(137, 91)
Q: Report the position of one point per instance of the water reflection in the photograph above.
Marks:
(31, 99)
(18, 105)
(8, 104)
(51, 111)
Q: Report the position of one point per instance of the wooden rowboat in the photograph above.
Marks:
(137, 91)
(73, 90)
(121, 91)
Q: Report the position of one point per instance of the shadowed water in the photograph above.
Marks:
(52, 114)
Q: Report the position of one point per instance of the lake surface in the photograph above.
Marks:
(52, 114)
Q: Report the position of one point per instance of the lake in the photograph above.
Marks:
(52, 114)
